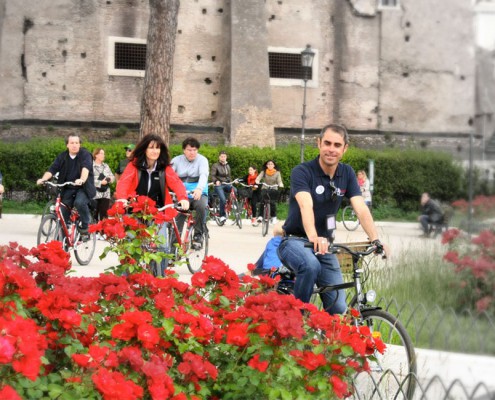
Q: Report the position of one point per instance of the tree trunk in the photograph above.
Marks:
(156, 103)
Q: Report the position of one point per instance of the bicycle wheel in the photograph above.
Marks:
(350, 219)
(393, 374)
(48, 208)
(49, 229)
(84, 249)
(196, 256)
(215, 211)
(266, 219)
(236, 209)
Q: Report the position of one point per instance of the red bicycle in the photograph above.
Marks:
(245, 193)
(54, 227)
(232, 206)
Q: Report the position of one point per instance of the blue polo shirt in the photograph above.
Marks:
(309, 177)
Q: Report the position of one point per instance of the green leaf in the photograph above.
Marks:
(347, 351)
(168, 324)
(224, 301)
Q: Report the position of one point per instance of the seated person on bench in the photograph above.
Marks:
(431, 214)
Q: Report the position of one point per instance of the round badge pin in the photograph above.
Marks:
(319, 189)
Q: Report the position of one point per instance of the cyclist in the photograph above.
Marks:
(364, 184)
(149, 174)
(219, 174)
(123, 163)
(74, 165)
(103, 176)
(317, 189)
(192, 169)
(250, 179)
(271, 176)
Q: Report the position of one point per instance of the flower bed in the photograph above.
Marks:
(137, 336)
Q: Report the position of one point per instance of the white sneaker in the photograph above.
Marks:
(274, 220)
(260, 219)
(223, 219)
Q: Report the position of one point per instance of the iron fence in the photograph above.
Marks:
(369, 387)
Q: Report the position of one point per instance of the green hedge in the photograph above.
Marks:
(400, 175)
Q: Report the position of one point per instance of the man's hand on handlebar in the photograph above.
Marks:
(184, 205)
(320, 244)
(381, 248)
(196, 194)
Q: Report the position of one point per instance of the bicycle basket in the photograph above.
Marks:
(270, 194)
(245, 192)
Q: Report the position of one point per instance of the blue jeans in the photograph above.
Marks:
(221, 190)
(313, 269)
(77, 198)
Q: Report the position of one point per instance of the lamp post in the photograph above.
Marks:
(307, 56)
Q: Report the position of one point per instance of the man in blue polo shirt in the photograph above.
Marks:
(316, 191)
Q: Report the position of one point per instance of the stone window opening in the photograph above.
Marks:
(286, 69)
(126, 56)
(287, 66)
(388, 4)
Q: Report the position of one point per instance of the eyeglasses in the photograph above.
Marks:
(128, 150)
(334, 191)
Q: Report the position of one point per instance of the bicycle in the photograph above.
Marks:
(51, 194)
(267, 195)
(245, 192)
(350, 219)
(232, 206)
(394, 371)
(182, 242)
(54, 227)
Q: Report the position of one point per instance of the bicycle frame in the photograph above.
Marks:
(69, 236)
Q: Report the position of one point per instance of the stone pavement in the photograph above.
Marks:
(238, 247)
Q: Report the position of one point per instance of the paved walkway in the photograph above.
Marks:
(238, 247)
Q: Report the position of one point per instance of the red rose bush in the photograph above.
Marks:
(134, 336)
(474, 258)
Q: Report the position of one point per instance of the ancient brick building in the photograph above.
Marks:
(388, 69)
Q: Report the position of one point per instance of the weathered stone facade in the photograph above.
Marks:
(407, 70)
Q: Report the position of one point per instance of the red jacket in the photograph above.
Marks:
(128, 182)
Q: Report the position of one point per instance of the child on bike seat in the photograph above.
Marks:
(269, 258)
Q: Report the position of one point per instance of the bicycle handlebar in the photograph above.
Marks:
(334, 248)
(224, 183)
(59, 184)
(268, 186)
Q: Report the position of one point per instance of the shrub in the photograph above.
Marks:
(474, 260)
(136, 336)
(400, 176)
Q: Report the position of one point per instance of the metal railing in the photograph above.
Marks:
(433, 389)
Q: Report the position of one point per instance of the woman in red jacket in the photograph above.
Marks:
(149, 174)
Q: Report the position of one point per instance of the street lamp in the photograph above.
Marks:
(307, 56)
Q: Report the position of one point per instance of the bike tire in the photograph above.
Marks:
(47, 210)
(156, 269)
(84, 250)
(195, 257)
(266, 219)
(349, 218)
(215, 211)
(49, 229)
(236, 208)
(393, 375)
